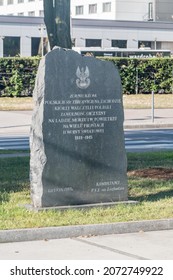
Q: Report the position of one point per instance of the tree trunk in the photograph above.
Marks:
(57, 21)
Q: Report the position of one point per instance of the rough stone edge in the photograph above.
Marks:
(34, 234)
(37, 153)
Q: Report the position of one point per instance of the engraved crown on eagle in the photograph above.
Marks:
(83, 80)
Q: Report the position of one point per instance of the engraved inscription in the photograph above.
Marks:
(68, 189)
(107, 186)
(83, 116)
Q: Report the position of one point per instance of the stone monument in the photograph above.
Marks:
(77, 140)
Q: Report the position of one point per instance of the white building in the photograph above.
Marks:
(95, 23)
(141, 10)
(21, 7)
(24, 35)
(112, 9)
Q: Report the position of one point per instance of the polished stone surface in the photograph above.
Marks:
(77, 139)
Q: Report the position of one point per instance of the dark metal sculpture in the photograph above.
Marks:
(57, 21)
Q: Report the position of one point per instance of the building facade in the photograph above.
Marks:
(114, 9)
(95, 23)
(21, 7)
(164, 10)
(26, 36)
(141, 10)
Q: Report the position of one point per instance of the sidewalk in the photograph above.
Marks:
(18, 122)
(142, 118)
(133, 246)
(15, 122)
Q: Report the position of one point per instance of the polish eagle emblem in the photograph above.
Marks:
(83, 80)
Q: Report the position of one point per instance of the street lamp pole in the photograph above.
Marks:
(42, 28)
(2, 45)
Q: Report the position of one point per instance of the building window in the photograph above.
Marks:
(37, 44)
(41, 13)
(106, 7)
(93, 9)
(144, 44)
(79, 10)
(119, 43)
(150, 11)
(31, 0)
(20, 1)
(93, 42)
(9, 2)
(156, 45)
(11, 46)
(20, 14)
(73, 40)
(1, 2)
(31, 14)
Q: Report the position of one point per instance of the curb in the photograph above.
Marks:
(142, 126)
(34, 234)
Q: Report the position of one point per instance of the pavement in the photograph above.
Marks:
(18, 122)
(145, 118)
(154, 245)
(15, 122)
(141, 240)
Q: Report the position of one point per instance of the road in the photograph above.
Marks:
(149, 140)
(14, 143)
(135, 140)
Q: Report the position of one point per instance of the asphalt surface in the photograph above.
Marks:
(144, 240)
(136, 140)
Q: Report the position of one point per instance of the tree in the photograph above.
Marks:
(57, 21)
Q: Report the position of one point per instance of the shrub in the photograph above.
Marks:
(17, 75)
(145, 75)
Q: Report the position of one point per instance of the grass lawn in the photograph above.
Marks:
(154, 193)
(4, 152)
(144, 101)
(16, 103)
(133, 101)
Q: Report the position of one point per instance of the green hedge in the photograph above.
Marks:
(17, 75)
(145, 75)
